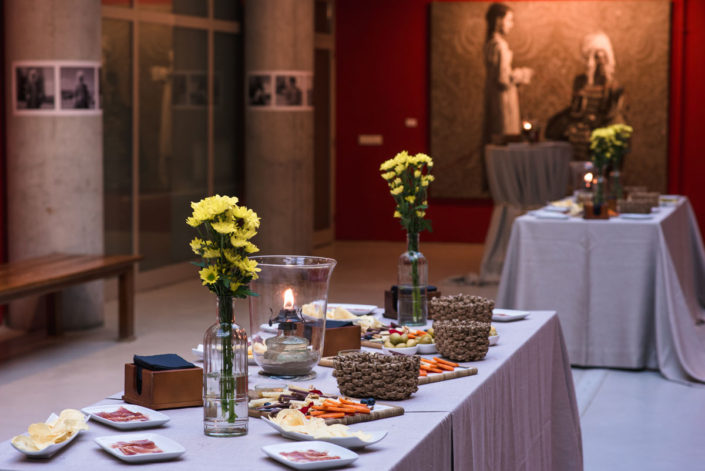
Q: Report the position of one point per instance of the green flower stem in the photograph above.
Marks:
(413, 248)
(227, 380)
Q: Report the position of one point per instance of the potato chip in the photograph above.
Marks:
(56, 430)
(25, 443)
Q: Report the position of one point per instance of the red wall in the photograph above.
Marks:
(382, 78)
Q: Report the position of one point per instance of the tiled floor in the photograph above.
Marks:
(630, 420)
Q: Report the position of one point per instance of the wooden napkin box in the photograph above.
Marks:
(167, 389)
(336, 338)
(390, 303)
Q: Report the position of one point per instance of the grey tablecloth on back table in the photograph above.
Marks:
(520, 176)
(518, 412)
(629, 293)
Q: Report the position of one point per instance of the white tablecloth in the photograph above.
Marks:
(518, 412)
(520, 176)
(629, 293)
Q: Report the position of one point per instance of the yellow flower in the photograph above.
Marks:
(193, 222)
(251, 248)
(211, 253)
(420, 213)
(386, 165)
(397, 190)
(417, 173)
(209, 275)
(396, 182)
(389, 175)
(223, 227)
(232, 256)
(397, 214)
(196, 245)
(235, 286)
(410, 198)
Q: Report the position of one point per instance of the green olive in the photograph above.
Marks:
(388, 344)
(395, 338)
(405, 338)
(411, 343)
(430, 331)
(400, 345)
(426, 339)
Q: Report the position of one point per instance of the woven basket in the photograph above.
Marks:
(390, 377)
(462, 340)
(650, 198)
(461, 307)
(635, 207)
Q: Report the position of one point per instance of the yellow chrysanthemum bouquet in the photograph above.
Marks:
(225, 230)
(608, 146)
(408, 177)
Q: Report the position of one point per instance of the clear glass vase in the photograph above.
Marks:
(598, 199)
(412, 283)
(616, 189)
(225, 374)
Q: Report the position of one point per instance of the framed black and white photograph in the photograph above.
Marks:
(79, 87)
(34, 87)
(259, 90)
(289, 90)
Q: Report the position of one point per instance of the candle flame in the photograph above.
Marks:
(527, 125)
(289, 299)
(588, 177)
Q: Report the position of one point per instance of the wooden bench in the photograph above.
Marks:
(50, 274)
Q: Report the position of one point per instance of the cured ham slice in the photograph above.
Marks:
(308, 456)
(137, 447)
(123, 415)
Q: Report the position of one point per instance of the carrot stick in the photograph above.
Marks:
(423, 373)
(444, 367)
(426, 367)
(316, 413)
(348, 401)
(446, 362)
(332, 415)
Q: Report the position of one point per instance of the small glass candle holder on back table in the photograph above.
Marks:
(288, 317)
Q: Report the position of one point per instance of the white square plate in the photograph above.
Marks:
(541, 214)
(154, 418)
(345, 456)
(506, 315)
(170, 449)
(347, 442)
(51, 449)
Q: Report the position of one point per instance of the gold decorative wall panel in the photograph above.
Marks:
(546, 37)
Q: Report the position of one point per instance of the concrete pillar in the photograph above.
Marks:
(279, 144)
(54, 163)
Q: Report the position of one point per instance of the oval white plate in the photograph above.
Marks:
(506, 315)
(51, 449)
(345, 456)
(635, 216)
(426, 348)
(401, 351)
(154, 418)
(357, 309)
(347, 442)
(170, 449)
(493, 340)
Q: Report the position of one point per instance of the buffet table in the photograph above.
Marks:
(518, 412)
(629, 293)
(520, 176)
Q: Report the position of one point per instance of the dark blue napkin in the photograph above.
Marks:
(165, 361)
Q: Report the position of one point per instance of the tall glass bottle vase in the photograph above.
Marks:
(225, 374)
(412, 281)
(616, 188)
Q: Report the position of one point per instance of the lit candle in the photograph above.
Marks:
(527, 125)
(289, 299)
(588, 180)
